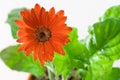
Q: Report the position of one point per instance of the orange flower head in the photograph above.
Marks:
(42, 33)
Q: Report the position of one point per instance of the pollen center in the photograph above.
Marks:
(42, 34)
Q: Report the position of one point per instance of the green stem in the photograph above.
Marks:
(51, 75)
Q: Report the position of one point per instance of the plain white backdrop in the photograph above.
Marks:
(80, 13)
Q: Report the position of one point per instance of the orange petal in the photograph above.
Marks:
(41, 16)
(25, 38)
(28, 52)
(41, 54)
(22, 24)
(64, 31)
(63, 39)
(27, 17)
(26, 45)
(37, 54)
(35, 17)
(25, 32)
(58, 47)
(59, 23)
(49, 51)
(22, 47)
(29, 48)
(37, 9)
(60, 13)
(52, 12)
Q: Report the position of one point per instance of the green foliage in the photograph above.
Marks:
(20, 62)
(100, 67)
(76, 49)
(105, 48)
(104, 34)
(62, 64)
(114, 74)
(112, 12)
(12, 16)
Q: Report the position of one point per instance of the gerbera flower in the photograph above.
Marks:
(42, 32)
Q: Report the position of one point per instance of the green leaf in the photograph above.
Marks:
(112, 12)
(12, 16)
(62, 64)
(103, 45)
(20, 62)
(78, 50)
(76, 56)
(106, 31)
(73, 34)
(114, 75)
(99, 68)
(105, 35)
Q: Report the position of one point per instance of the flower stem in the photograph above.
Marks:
(51, 75)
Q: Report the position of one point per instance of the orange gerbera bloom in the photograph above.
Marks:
(42, 32)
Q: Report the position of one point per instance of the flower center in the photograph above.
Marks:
(42, 34)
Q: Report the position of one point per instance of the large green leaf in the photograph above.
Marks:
(12, 16)
(104, 35)
(100, 67)
(104, 45)
(105, 32)
(76, 56)
(114, 75)
(62, 65)
(76, 49)
(20, 62)
(112, 12)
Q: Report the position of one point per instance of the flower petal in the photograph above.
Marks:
(58, 47)
(49, 51)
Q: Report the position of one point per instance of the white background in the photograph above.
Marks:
(80, 13)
